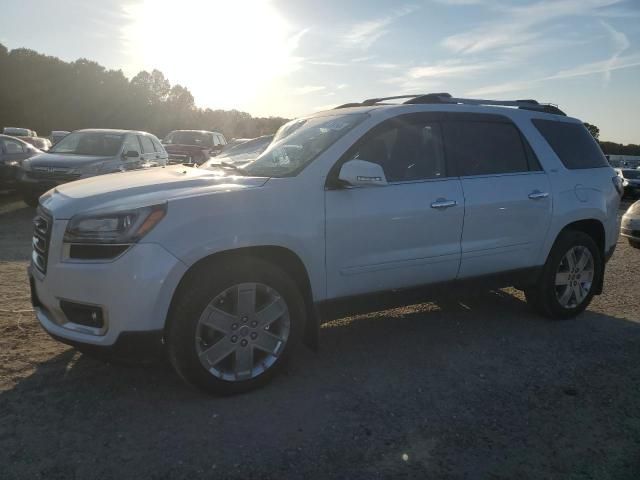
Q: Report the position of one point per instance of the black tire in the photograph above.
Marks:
(542, 296)
(31, 199)
(634, 243)
(202, 286)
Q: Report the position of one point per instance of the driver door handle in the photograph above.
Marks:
(537, 194)
(442, 203)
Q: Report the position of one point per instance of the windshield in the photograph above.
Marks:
(299, 142)
(243, 152)
(102, 144)
(204, 139)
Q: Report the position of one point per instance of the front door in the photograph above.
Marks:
(406, 233)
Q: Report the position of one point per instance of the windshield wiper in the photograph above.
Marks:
(232, 166)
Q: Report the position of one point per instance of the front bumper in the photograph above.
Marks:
(630, 227)
(134, 291)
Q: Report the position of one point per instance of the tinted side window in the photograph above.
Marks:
(131, 144)
(572, 143)
(405, 149)
(157, 145)
(484, 148)
(223, 141)
(147, 144)
(11, 146)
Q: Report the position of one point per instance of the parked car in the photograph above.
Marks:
(12, 152)
(242, 153)
(87, 153)
(228, 269)
(57, 135)
(40, 143)
(234, 142)
(631, 225)
(193, 146)
(631, 180)
(19, 132)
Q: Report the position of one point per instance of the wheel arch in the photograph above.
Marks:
(281, 257)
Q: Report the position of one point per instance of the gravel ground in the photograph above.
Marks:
(468, 386)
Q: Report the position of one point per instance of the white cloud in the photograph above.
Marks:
(364, 34)
(620, 43)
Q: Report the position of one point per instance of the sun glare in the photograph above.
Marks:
(225, 51)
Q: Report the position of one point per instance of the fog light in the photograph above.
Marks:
(87, 315)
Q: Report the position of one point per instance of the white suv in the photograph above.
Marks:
(228, 268)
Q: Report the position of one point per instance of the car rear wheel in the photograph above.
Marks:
(235, 326)
(567, 284)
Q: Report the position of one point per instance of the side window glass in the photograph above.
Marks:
(406, 150)
(222, 140)
(131, 144)
(147, 144)
(484, 148)
(157, 145)
(12, 146)
(216, 140)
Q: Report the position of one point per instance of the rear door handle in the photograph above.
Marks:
(442, 203)
(537, 194)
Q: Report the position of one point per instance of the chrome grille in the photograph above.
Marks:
(42, 224)
(52, 173)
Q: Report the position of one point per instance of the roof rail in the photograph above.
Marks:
(527, 104)
(446, 98)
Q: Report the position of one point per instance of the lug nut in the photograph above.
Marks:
(234, 326)
(254, 324)
(244, 318)
(254, 335)
(234, 339)
(244, 343)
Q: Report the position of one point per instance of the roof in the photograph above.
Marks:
(196, 131)
(114, 131)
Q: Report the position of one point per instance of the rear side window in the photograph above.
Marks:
(147, 144)
(484, 148)
(157, 145)
(572, 143)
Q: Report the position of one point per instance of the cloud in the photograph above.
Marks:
(620, 43)
(603, 66)
(450, 68)
(364, 34)
(520, 25)
(309, 89)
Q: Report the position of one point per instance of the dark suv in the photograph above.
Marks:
(193, 146)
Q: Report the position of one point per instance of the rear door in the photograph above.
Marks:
(507, 195)
(406, 233)
(131, 144)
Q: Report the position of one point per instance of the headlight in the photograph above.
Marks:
(121, 227)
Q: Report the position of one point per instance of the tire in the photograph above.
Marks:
(634, 243)
(190, 332)
(549, 298)
(31, 199)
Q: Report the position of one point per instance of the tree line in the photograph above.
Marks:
(612, 148)
(44, 93)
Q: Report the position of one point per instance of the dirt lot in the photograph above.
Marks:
(463, 387)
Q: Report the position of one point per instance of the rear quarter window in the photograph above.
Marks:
(572, 143)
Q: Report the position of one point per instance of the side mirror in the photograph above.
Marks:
(359, 173)
(131, 154)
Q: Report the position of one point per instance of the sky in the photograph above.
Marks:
(293, 57)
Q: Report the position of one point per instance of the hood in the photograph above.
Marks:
(65, 160)
(141, 187)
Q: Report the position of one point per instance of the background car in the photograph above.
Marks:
(193, 146)
(12, 152)
(87, 153)
(631, 180)
(630, 227)
(243, 153)
(19, 132)
(57, 135)
(40, 143)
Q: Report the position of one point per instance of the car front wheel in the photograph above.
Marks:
(235, 325)
(567, 284)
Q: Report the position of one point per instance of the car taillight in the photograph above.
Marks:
(618, 182)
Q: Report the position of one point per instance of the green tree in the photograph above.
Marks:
(593, 130)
